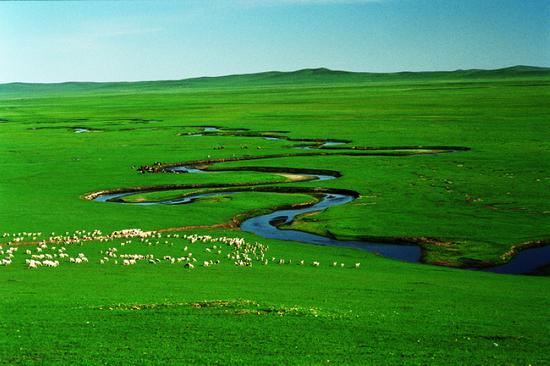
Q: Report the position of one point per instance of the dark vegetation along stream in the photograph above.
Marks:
(268, 225)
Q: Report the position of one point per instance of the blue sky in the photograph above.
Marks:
(152, 40)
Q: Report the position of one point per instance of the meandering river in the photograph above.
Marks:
(267, 226)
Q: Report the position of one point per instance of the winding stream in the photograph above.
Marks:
(267, 225)
(525, 262)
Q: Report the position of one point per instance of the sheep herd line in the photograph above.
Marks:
(127, 248)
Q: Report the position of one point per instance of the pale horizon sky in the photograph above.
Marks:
(159, 40)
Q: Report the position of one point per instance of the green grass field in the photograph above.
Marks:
(463, 207)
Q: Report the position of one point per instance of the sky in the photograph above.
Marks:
(163, 39)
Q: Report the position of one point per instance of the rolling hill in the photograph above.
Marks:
(317, 76)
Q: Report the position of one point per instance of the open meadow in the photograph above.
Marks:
(121, 207)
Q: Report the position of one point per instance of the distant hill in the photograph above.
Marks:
(318, 76)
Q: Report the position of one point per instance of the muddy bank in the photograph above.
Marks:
(165, 167)
(266, 169)
(114, 194)
(526, 258)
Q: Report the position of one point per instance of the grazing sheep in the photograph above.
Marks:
(240, 251)
(49, 263)
(357, 265)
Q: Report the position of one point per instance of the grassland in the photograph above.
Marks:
(478, 202)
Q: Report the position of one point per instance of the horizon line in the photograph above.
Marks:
(270, 71)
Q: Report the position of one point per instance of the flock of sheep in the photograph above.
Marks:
(52, 251)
